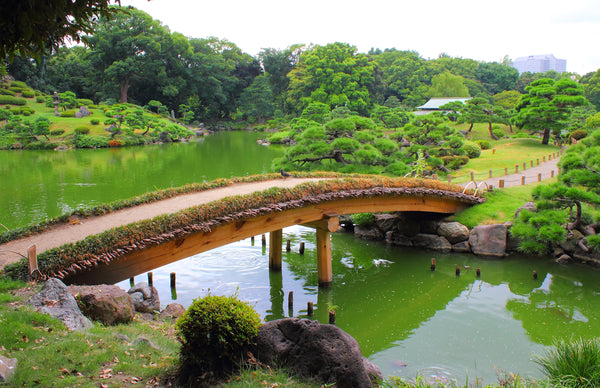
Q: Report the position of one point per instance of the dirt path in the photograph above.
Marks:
(67, 233)
(531, 175)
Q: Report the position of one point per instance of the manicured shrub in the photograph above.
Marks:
(471, 149)
(7, 92)
(579, 134)
(87, 141)
(278, 137)
(39, 145)
(574, 363)
(67, 113)
(84, 102)
(10, 100)
(484, 144)
(94, 121)
(16, 89)
(498, 132)
(28, 93)
(215, 334)
(57, 132)
(18, 84)
(81, 130)
(397, 169)
(40, 99)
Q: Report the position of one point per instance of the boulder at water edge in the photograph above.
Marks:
(108, 304)
(145, 298)
(454, 232)
(324, 352)
(56, 300)
(488, 240)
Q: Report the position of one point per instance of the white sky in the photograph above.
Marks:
(477, 29)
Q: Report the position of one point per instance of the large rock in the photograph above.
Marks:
(432, 241)
(368, 232)
(488, 240)
(454, 232)
(7, 367)
(173, 310)
(461, 247)
(385, 221)
(56, 300)
(395, 238)
(145, 298)
(310, 349)
(108, 304)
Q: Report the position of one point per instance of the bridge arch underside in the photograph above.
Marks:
(139, 261)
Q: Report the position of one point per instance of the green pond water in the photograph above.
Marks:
(407, 319)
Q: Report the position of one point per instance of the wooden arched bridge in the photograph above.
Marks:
(131, 249)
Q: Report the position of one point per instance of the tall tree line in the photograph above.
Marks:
(130, 57)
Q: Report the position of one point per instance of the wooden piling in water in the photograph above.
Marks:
(301, 249)
(457, 271)
(478, 272)
(433, 264)
(173, 280)
(309, 309)
(291, 301)
(252, 240)
(131, 282)
(332, 317)
(264, 240)
(150, 282)
(288, 245)
(535, 276)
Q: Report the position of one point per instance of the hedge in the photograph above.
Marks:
(10, 100)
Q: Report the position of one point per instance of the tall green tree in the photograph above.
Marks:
(496, 77)
(334, 74)
(448, 85)
(592, 89)
(548, 105)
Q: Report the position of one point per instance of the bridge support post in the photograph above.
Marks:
(275, 256)
(324, 258)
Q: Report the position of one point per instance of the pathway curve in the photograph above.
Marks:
(531, 175)
(68, 233)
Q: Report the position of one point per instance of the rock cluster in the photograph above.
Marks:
(444, 236)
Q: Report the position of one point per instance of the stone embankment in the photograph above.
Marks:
(494, 240)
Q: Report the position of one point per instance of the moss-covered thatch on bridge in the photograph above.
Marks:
(107, 246)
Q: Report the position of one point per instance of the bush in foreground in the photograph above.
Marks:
(215, 333)
(573, 363)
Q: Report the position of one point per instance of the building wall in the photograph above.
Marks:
(540, 64)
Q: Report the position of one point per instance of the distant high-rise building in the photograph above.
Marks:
(540, 64)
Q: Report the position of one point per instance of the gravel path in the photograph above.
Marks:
(531, 175)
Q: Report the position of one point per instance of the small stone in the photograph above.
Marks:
(143, 340)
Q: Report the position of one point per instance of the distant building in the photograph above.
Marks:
(540, 64)
(434, 104)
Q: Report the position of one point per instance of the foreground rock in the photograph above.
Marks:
(108, 304)
(145, 298)
(56, 299)
(324, 352)
(7, 367)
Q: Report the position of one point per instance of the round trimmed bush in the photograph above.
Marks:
(471, 149)
(579, 134)
(215, 334)
(498, 132)
(94, 121)
(40, 99)
(28, 93)
(484, 144)
(67, 113)
(57, 132)
(81, 130)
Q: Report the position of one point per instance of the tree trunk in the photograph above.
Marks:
(471, 127)
(492, 132)
(546, 137)
(124, 87)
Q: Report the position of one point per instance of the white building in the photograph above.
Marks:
(540, 64)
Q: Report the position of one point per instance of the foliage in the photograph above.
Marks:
(81, 130)
(215, 333)
(578, 134)
(363, 219)
(573, 364)
(448, 85)
(548, 105)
